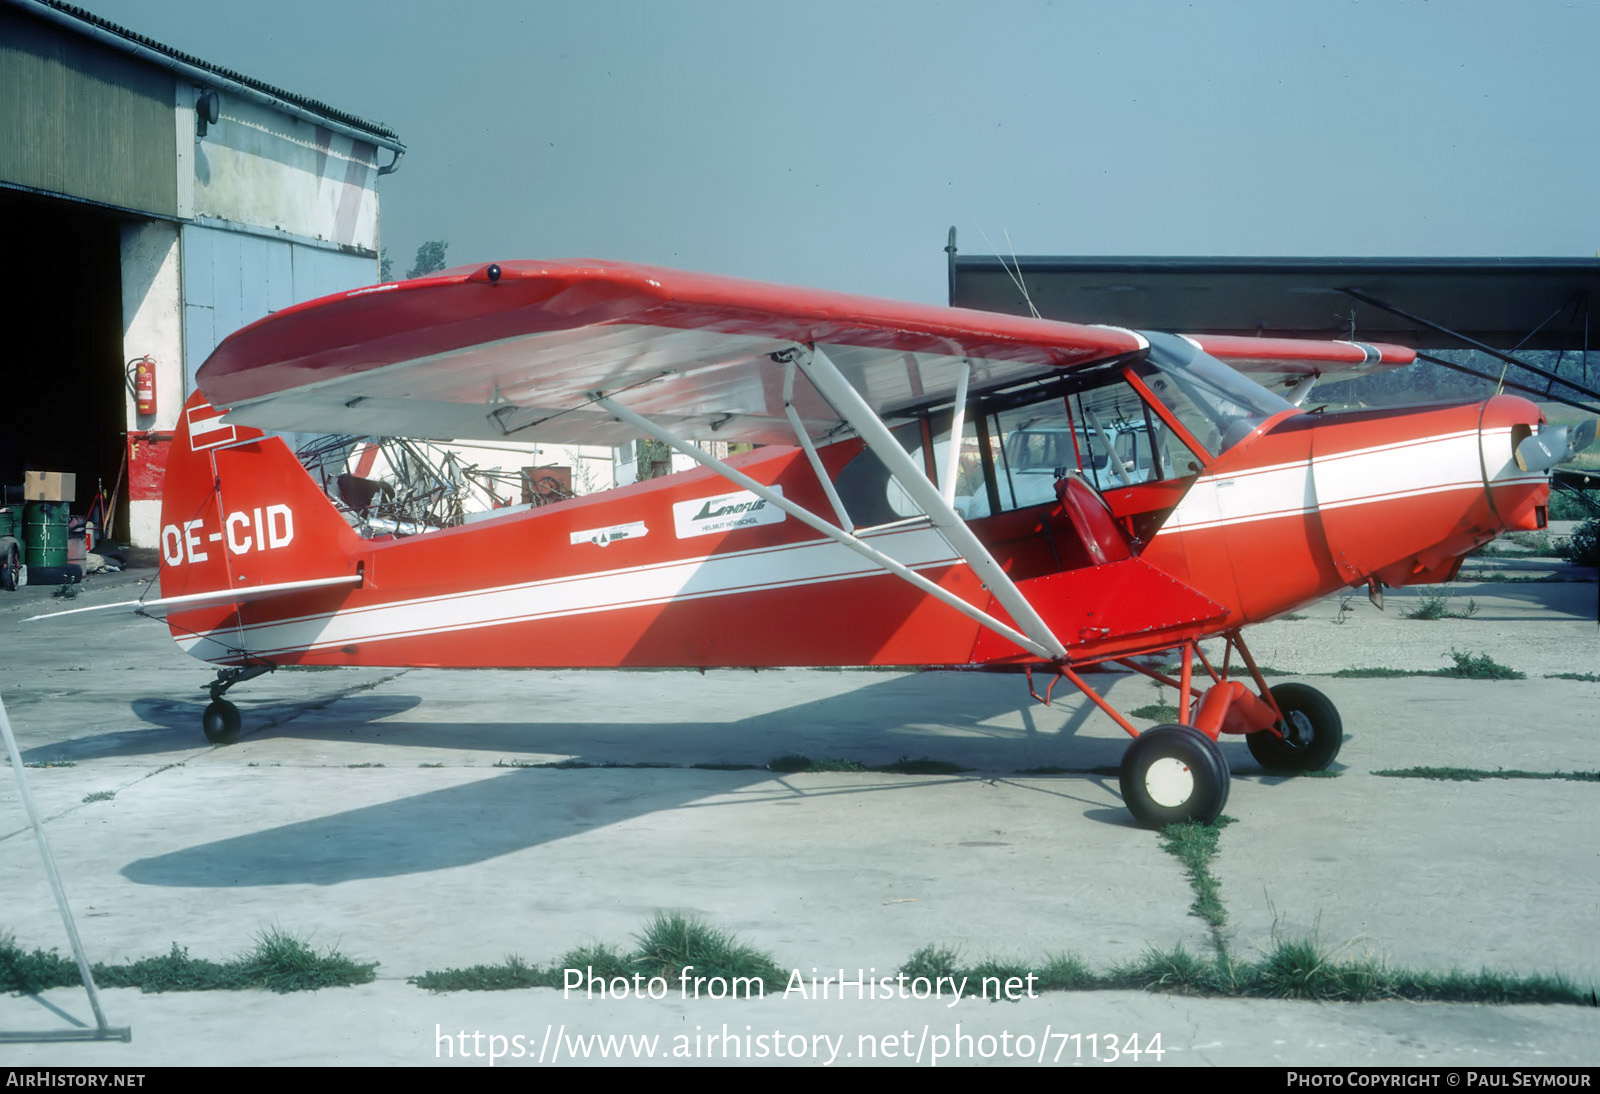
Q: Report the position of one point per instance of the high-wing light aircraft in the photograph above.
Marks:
(930, 487)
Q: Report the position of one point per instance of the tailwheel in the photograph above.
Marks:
(1174, 773)
(221, 722)
(1312, 732)
(13, 574)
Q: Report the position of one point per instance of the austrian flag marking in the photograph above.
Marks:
(207, 429)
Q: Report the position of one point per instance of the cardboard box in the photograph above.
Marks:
(49, 486)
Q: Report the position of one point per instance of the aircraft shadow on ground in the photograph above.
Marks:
(513, 811)
(173, 725)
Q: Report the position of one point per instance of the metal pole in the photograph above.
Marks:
(102, 1032)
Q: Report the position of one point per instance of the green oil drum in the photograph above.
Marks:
(44, 532)
(10, 523)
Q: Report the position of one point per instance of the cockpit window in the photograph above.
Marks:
(1217, 405)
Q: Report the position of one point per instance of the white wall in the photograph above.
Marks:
(259, 167)
(152, 326)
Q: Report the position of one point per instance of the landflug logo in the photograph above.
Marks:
(724, 513)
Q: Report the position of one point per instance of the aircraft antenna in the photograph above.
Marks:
(1014, 271)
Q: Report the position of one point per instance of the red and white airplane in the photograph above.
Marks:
(931, 487)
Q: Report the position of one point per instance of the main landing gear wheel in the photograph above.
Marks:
(1174, 773)
(221, 722)
(1312, 732)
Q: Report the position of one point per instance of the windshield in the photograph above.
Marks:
(1215, 403)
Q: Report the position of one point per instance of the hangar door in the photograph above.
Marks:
(231, 278)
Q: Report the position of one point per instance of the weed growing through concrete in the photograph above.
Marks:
(511, 974)
(1472, 775)
(278, 962)
(99, 796)
(933, 962)
(1586, 677)
(1481, 667)
(1195, 845)
(669, 944)
(1156, 712)
(1467, 667)
(1295, 968)
(1437, 606)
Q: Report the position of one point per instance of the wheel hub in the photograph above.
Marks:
(1297, 729)
(1169, 782)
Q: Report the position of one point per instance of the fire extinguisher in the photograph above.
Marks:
(142, 379)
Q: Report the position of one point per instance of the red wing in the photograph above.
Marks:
(1274, 362)
(519, 349)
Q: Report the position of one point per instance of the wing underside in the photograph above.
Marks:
(526, 350)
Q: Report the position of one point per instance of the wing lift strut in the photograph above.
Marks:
(1030, 633)
(1171, 773)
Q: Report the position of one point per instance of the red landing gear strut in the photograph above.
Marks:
(1177, 772)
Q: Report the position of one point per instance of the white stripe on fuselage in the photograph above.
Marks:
(1388, 472)
(789, 566)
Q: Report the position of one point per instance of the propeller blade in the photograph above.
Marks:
(1582, 437)
(1555, 444)
(1543, 450)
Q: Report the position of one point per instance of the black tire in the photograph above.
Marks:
(221, 722)
(12, 574)
(1311, 738)
(1174, 773)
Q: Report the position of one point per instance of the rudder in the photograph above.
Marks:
(238, 510)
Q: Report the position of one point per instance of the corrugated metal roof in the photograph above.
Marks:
(315, 106)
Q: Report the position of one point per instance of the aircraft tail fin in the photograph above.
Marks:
(239, 512)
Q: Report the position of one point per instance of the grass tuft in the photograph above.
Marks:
(933, 962)
(1437, 606)
(1157, 712)
(1175, 970)
(1481, 667)
(511, 973)
(33, 972)
(672, 942)
(1066, 972)
(281, 962)
(99, 796)
(598, 960)
(1302, 969)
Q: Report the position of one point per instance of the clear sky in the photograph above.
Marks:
(833, 144)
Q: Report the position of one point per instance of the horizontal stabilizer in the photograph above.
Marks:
(162, 607)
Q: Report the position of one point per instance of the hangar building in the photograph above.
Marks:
(150, 204)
